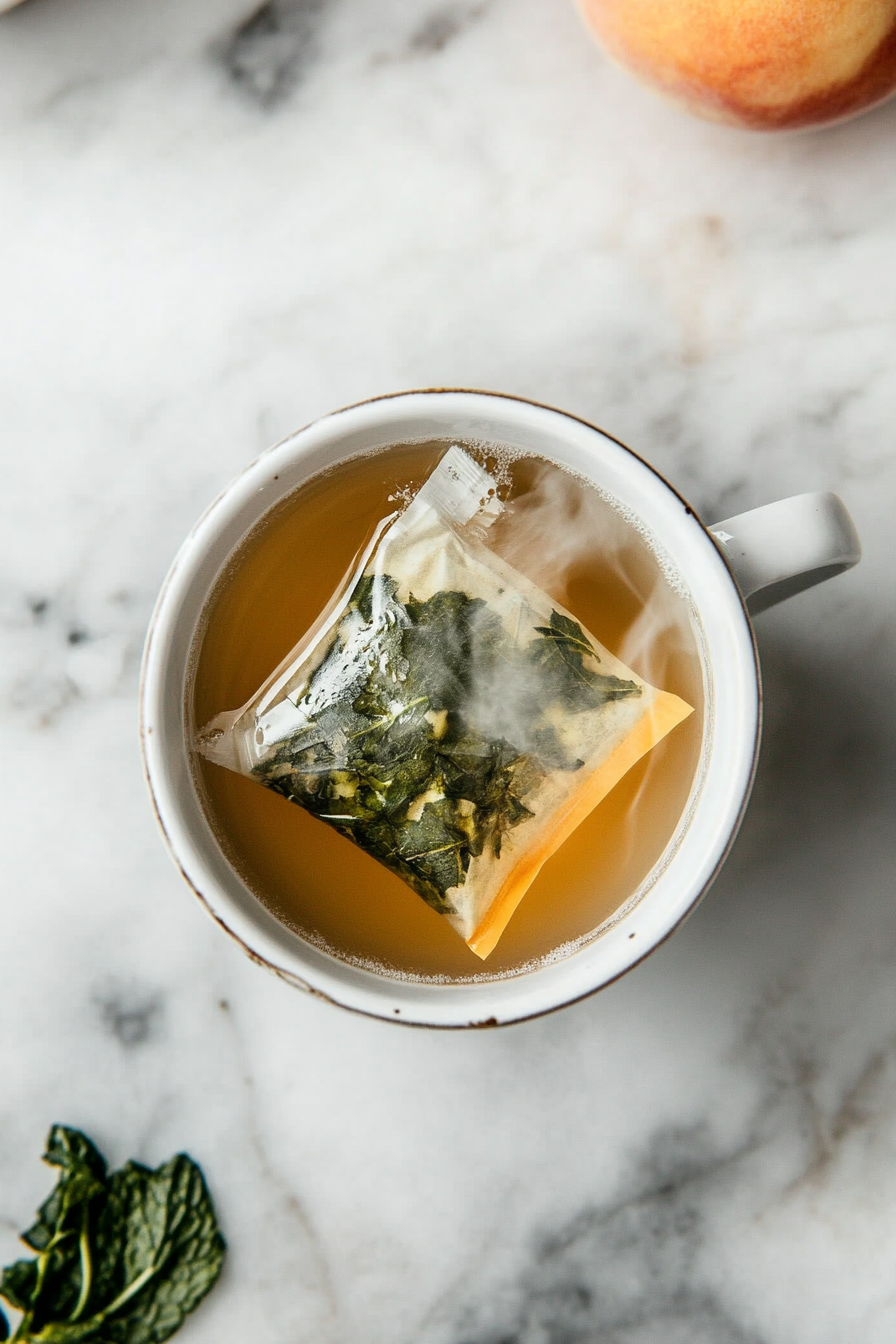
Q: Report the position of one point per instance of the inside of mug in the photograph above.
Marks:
(577, 540)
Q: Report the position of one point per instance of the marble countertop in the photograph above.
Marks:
(217, 225)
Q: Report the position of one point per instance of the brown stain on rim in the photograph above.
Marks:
(289, 976)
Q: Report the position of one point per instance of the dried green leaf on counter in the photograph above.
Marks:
(121, 1258)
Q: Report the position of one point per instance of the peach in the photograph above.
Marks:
(765, 64)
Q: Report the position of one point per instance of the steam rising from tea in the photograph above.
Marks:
(560, 531)
(446, 712)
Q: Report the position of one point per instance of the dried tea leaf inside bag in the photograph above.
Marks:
(445, 714)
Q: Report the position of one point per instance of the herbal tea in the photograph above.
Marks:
(444, 710)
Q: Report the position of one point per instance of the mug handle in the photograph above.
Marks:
(781, 549)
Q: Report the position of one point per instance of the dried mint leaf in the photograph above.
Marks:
(438, 646)
(561, 654)
(395, 762)
(122, 1258)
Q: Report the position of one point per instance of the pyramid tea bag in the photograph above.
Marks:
(445, 714)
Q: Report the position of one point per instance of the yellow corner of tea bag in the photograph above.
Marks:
(664, 714)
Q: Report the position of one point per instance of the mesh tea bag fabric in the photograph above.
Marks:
(445, 714)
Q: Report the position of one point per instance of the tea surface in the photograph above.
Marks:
(577, 547)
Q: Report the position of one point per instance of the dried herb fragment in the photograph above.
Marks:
(562, 653)
(122, 1258)
(392, 751)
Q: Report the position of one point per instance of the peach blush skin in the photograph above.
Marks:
(762, 64)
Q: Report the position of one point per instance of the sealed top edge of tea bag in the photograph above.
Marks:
(444, 714)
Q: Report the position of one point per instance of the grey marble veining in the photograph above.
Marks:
(219, 222)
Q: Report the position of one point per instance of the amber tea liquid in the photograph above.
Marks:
(319, 883)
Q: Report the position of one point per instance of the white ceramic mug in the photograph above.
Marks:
(769, 553)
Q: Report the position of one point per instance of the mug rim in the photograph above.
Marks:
(309, 968)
